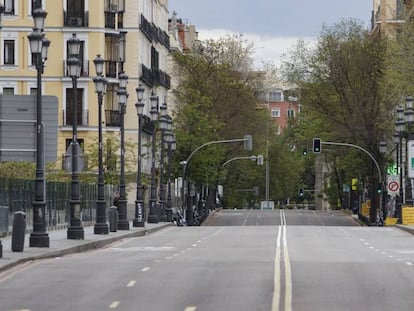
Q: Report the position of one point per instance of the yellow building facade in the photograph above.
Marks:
(130, 35)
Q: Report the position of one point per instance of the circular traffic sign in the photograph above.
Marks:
(393, 186)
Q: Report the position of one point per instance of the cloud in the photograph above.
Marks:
(267, 49)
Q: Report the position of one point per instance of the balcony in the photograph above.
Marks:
(83, 117)
(162, 78)
(148, 125)
(78, 20)
(84, 68)
(112, 68)
(113, 117)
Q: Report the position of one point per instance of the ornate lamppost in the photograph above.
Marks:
(139, 220)
(1, 18)
(39, 45)
(75, 230)
(101, 225)
(171, 143)
(123, 223)
(153, 217)
(163, 127)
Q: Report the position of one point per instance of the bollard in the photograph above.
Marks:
(113, 218)
(4, 219)
(1, 250)
(19, 231)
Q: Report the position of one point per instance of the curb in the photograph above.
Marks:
(405, 228)
(86, 246)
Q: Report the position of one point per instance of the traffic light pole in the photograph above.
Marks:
(248, 145)
(372, 214)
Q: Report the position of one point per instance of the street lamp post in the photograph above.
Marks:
(153, 217)
(75, 230)
(123, 223)
(101, 225)
(171, 148)
(139, 220)
(1, 17)
(39, 47)
(163, 127)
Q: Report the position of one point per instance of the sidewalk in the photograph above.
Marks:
(60, 245)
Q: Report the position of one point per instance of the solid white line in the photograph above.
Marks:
(288, 273)
(276, 291)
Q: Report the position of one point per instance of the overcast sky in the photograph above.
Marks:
(272, 25)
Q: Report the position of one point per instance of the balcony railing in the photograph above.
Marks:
(162, 78)
(84, 68)
(78, 20)
(112, 68)
(154, 33)
(83, 120)
(113, 117)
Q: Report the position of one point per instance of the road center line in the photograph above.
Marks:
(282, 238)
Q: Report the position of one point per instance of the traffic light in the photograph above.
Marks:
(305, 151)
(301, 192)
(379, 188)
(317, 145)
(260, 159)
(248, 142)
(256, 191)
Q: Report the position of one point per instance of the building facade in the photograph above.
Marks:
(281, 109)
(132, 37)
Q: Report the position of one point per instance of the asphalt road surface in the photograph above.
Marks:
(242, 260)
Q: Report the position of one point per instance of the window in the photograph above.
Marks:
(276, 96)
(9, 52)
(69, 106)
(9, 7)
(275, 112)
(291, 113)
(36, 4)
(154, 59)
(8, 91)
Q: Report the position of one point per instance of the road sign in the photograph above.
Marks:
(393, 184)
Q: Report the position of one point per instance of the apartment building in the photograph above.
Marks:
(281, 109)
(131, 36)
(388, 15)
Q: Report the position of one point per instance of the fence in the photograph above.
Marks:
(18, 195)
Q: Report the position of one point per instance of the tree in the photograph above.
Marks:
(343, 89)
(215, 101)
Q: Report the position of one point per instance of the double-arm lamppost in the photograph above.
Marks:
(163, 127)
(153, 217)
(101, 225)
(123, 223)
(139, 220)
(39, 45)
(75, 230)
